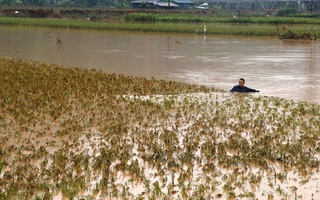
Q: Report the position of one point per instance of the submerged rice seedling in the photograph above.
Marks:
(112, 136)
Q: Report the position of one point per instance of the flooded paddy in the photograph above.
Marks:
(282, 69)
(67, 133)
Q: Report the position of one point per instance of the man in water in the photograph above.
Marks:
(242, 88)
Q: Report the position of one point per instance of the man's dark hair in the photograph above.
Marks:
(242, 80)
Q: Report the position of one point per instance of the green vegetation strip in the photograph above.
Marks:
(74, 133)
(210, 19)
(253, 29)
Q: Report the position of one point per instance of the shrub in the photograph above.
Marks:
(286, 12)
(57, 14)
(140, 17)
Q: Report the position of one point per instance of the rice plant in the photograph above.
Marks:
(77, 133)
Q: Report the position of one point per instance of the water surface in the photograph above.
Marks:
(284, 69)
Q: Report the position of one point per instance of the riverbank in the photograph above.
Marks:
(190, 28)
(75, 133)
(172, 21)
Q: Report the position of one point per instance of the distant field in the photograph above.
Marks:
(217, 28)
(178, 21)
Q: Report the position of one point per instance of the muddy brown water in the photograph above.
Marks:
(287, 69)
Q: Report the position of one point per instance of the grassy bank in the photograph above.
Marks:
(145, 17)
(253, 29)
(83, 134)
(219, 22)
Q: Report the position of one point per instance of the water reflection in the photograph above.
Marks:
(277, 68)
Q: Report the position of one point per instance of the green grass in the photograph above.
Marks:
(244, 29)
(210, 19)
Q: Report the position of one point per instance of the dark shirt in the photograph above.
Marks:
(237, 88)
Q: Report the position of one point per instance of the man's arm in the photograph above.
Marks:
(252, 90)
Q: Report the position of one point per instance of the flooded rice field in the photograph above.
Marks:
(68, 133)
(277, 68)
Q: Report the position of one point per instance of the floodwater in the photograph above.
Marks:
(289, 70)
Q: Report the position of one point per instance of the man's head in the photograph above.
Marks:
(241, 82)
